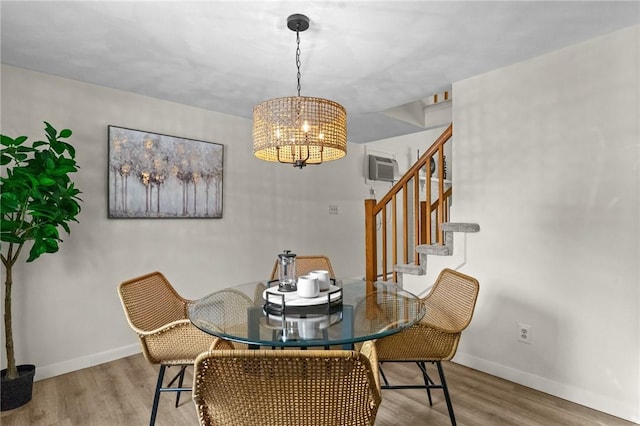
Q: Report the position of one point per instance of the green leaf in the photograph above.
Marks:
(57, 146)
(20, 140)
(67, 162)
(4, 160)
(65, 133)
(63, 170)
(50, 231)
(6, 140)
(9, 237)
(36, 194)
(8, 202)
(11, 225)
(49, 164)
(50, 131)
(71, 149)
(45, 214)
(25, 148)
(36, 251)
(66, 227)
(46, 181)
(51, 244)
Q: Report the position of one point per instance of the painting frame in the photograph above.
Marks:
(156, 176)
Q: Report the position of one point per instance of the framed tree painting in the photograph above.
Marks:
(159, 176)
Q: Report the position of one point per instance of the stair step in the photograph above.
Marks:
(436, 249)
(410, 268)
(398, 284)
(460, 227)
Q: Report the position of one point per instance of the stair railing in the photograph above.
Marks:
(415, 213)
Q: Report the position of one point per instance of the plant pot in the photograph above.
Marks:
(17, 392)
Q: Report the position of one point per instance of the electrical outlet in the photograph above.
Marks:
(524, 333)
(333, 209)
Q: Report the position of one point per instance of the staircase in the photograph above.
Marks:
(445, 249)
(405, 226)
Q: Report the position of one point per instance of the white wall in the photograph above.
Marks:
(546, 155)
(66, 311)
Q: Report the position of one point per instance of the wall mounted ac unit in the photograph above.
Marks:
(382, 168)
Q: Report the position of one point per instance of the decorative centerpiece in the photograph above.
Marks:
(311, 293)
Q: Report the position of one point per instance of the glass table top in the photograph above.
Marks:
(351, 311)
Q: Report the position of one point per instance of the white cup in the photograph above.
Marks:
(308, 286)
(323, 278)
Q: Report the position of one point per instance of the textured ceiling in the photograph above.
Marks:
(227, 56)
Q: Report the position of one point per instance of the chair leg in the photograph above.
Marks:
(428, 384)
(180, 381)
(446, 393)
(159, 389)
(427, 380)
(384, 377)
(156, 396)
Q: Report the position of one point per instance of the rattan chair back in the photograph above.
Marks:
(158, 315)
(150, 302)
(451, 301)
(449, 309)
(286, 387)
(306, 264)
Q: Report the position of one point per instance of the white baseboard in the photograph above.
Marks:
(51, 370)
(603, 403)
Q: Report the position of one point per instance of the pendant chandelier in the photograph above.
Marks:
(299, 130)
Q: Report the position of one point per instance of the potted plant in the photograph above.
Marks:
(37, 198)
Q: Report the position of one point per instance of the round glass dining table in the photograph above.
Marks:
(350, 311)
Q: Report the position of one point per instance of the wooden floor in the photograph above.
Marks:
(121, 392)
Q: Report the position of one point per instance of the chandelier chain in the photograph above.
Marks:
(298, 56)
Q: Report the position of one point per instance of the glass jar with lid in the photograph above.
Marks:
(287, 271)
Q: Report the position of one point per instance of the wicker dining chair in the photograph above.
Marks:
(288, 387)
(449, 308)
(158, 315)
(306, 264)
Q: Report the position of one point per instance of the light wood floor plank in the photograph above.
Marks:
(121, 393)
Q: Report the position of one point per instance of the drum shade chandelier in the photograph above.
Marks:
(299, 130)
